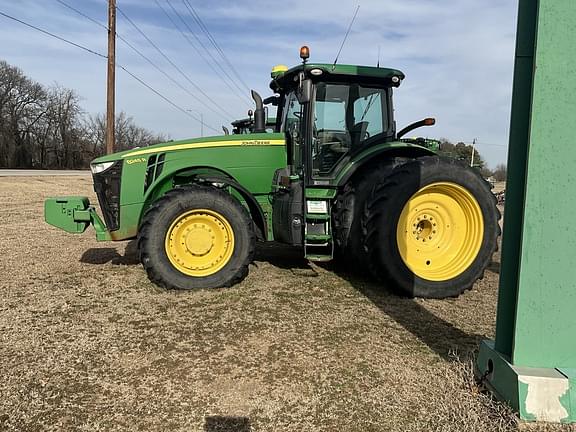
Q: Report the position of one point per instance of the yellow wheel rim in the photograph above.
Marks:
(200, 242)
(440, 231)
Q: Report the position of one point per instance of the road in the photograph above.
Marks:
(34, 173)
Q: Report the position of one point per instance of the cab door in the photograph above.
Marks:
(288, 183)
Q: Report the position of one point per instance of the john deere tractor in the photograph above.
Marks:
(246, 125)
(333, 178)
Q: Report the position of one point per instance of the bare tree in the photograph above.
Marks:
(128, 134)
(500, 172)
(95, 132)
(46, 127)
(21, 107)
(57, 137)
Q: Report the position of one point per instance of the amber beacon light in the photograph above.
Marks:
(304, 53)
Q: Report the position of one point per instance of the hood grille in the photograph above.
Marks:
(107, 188)
(154, 169)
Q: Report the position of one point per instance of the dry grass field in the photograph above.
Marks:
(87, 343)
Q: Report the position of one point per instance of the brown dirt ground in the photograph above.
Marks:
(87, 343)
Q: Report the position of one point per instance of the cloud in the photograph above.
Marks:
(457, 55)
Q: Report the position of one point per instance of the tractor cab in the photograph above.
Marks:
(329, 113)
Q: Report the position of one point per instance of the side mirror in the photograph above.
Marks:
(304, 93)
(425, 122)
(272, 100)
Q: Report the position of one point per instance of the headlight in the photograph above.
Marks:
(100, 167)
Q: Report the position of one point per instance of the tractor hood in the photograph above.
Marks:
(262, 139)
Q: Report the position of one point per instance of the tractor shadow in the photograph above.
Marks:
(283, 256)
(494, 267)
(227, 424)
(101, 256)
(444, 338)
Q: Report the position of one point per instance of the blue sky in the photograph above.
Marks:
(457, 56)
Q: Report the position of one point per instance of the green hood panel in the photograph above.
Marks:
(263, 139)
(249, 159)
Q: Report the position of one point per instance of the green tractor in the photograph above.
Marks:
(429, 143)
(334, 178)
(246, 125)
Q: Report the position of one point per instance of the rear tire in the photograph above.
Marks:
(196, 236)
(349, 211)
(431, 228)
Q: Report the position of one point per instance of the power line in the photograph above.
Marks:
(203, 27)
(166, 99)
(174, 65)
(492, 145)
(98, 23)
(141, 81)
(54, 36)
(193, 15)
(190, 31)
(155, 66)
(137, 51)
(482, 143)
(237, 91)
(177, 27)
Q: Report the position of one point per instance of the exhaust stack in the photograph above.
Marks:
(259, 114)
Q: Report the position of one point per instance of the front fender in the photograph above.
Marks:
(209, 175)
(182, 176)
(255, 209)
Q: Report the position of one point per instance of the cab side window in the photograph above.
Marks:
(292, 127)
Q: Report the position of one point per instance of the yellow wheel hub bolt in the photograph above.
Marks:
(440, 231)
(200, 242)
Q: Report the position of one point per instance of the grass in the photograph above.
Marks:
(87, 343)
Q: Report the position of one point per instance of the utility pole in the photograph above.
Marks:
(201, 121)
(111, 98)
(472, 158)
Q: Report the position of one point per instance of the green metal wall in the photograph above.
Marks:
(537, 306)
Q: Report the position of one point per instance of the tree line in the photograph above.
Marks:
(45, 127)
(463, 152)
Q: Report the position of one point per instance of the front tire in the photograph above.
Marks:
(431, 228)
(196, 236)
